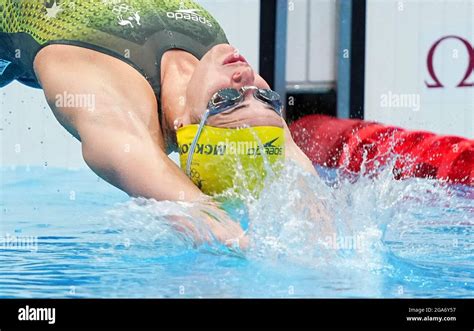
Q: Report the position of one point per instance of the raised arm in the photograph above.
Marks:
(112, 110)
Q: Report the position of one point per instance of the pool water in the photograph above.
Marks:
(66, 233)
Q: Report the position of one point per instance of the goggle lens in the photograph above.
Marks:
(226, 95)
(229, 97)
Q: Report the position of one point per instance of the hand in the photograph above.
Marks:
(208, 223)
(224, 228)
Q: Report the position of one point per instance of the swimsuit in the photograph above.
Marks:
(138, 32)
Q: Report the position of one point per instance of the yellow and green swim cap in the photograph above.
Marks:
(237, 159)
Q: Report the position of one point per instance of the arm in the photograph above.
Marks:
(120, 133)
(121, 136)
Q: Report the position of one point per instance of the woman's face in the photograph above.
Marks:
(221, 67)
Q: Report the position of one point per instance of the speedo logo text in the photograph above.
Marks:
(250, 148)
(189, 15)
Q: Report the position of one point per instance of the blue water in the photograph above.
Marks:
(65, 233)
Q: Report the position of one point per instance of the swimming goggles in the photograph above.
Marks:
(228, 98)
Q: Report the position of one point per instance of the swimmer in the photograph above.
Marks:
(161, 74)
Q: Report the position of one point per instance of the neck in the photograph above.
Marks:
(177, 68)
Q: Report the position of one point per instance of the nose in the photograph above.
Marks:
(243, 77)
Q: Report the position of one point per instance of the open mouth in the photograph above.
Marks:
(234, 58)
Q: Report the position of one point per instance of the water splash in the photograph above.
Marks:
(167, 228)
(384, 238)
(364, 234)
(349, 220)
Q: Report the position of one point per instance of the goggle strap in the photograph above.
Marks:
(211, 112)
(194, 143)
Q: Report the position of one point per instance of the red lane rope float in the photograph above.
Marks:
(400, 143)
(424, 160)
(322, 137)
(342, 143)
(363, 147)
(457, 165)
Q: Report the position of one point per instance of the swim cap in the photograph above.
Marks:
(232, 158)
